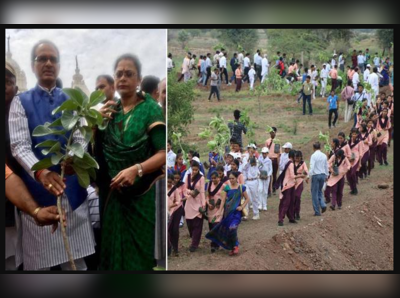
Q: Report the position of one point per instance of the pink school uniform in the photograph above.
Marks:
(215, 215)
(335, 184)
(299, 169)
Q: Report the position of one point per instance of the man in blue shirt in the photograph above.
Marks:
(304, 77)
(333, 105)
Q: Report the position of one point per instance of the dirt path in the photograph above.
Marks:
(360, 236)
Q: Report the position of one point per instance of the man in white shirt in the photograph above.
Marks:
(373, 80)
(328, 66)
(361, 61)
(367, 72)
(324, 79)
(208, 66)
(170, 63)
(356, 78)
(359, 96)
(265, 166)
(252, 77)
(171, 157)
(241, 59)
(319, 175)
(216, 58)
(377, 61)
(285, 156)
(258, 64)
(333, 62)
(314, 75)
(246, 64)
(222, 66)
(341, 62)
(264, 68)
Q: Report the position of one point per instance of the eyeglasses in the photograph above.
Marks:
(128, 74)
(44, 59)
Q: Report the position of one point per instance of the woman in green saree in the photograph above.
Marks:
(132, 152)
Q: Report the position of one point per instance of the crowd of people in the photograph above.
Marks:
(243, 180)
(111, 225)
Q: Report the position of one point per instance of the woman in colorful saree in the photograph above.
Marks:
(225, 233)
(131, 153)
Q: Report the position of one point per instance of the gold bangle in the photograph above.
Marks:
(35, 214)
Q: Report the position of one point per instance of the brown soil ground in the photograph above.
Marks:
(358, 237)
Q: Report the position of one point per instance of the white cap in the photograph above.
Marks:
(252, 146)
(264, 150)
(324, 64)
(221, 54)
(287, 146)
(196, 159)
(368, 65)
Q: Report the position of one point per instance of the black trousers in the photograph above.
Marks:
(331, 112)
(208, 75)
(214, 90)
(246, 72)
(225, 73)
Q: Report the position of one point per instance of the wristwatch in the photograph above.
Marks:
(140, 170)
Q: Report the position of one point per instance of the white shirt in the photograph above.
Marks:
(258, 61)
(284, 160)
(251, 173)
(264, 65)
(318, 164)
(324, 73)
(208, 62)
(333, 62)
(240, 58)
(341, 60)
(360, 59)
(373, 79)
(256, 58)
(265, 164)
(314, 75)
(366, 75)
(222, 62)
(215, 59)
(227, 168)
(170, 65)
(252, 73)
(328, 67)
(377, 61)
(171, 158)
(246, 62)
(356, 79)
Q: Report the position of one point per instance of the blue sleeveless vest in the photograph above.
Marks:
(38, 105)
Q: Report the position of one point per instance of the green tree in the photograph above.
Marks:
(246, 38)
(180, 109)
(183, 37)
(385, 38)
(194, 32)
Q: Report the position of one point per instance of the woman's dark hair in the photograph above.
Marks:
(234, 141)
(298, 154)
(134, 59)
(336, 142)
(353, 130)
(364, 127)
(349, 82)
(170, 177)
(176, 173)
(292, 153)
(235, 174)
(340, 153)
(236, 162)
(40, 42)
(342, 134)
(195, 164)
(214, 174)
(169, 55)
(220, 169)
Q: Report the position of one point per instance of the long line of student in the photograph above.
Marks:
(245, 180)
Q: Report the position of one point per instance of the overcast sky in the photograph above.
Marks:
(97, 50)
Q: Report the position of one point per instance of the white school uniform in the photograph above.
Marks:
(265, 164)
